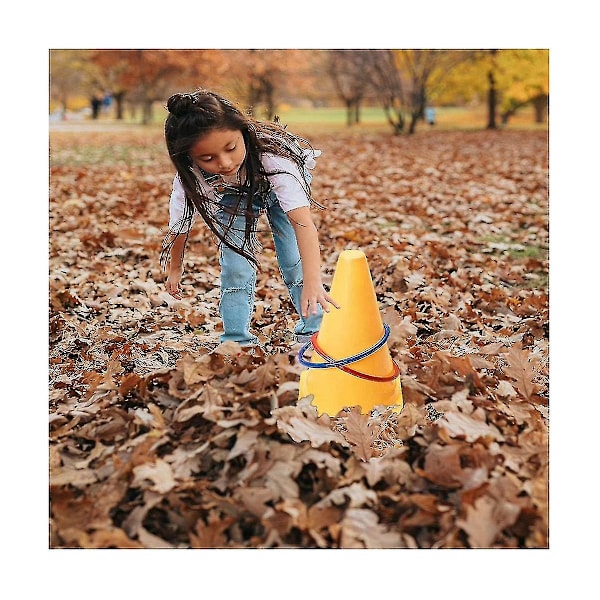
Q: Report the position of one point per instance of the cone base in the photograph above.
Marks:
(333, 390)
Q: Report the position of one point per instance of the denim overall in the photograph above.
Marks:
(238, 276)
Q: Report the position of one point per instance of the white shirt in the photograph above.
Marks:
(287, 186)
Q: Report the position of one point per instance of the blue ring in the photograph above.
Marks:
(342, 362)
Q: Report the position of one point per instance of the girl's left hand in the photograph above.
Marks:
(313, 297)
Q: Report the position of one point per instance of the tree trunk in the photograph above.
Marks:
(349, 112)
(492, 102)
(268, 90)
(414, 117)
(540, 106)
(119, 102)
(398, 123)
(147, 112)
(63, 111)
(254, 93)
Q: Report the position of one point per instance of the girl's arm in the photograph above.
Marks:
(313, 292)
(176, 267)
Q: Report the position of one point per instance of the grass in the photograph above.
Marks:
(503, 243)
(331, 119)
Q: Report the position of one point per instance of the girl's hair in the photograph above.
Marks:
(193, 115)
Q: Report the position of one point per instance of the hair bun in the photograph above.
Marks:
(180, 104)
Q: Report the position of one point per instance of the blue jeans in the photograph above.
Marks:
(238, 275)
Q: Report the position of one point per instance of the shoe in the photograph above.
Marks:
(303, 338)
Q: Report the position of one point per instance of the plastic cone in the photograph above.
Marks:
(347, 331)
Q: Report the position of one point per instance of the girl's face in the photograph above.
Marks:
(221, 151)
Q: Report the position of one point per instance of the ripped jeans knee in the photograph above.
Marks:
(238, 282)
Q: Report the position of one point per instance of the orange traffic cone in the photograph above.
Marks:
(351, 363)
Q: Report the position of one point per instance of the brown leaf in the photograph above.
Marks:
(361, 432)
(211, 534)
(302, 424)
(360, 529)
(195, 370)
(442, 466)
(486, 519)
(254, 499)
(128, 383)
(460, 425)
(521, 370)
(158, 474)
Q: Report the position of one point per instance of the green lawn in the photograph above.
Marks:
(309, 121)
(373, 118)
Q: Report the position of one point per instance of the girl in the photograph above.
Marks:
(230, 170)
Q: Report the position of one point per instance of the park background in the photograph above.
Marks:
(156, 437)
(397, 89)
(558, 105)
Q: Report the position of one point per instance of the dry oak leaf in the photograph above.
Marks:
(391, 467)
(361, 432)
(486, 519)
(195, 370)
(112, 537)
(360, 529)
(521, 370)
(356, 493)
(254, 499)
(209, 404)
(263, 377)
(244, 441)
(185, 460)
(401, 328)
(128, 383)
(409, 420)
(133, 522)
(76, 477)
(442, 466)
(463, 365)
(321, 459)
(158, 473)
(301, 423)
(459, 425)
(505, 389)
(281, 479)
(149, 540)
(211, 534)
(87, 509)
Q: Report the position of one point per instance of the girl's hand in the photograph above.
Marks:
(312, 297)
(174, 282)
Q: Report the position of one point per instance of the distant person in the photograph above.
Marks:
(430, 115)
(96, 104)
(106, 102)
(230, 170)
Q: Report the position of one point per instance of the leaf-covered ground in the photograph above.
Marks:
(161, 439)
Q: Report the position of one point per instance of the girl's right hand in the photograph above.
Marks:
(174, 282)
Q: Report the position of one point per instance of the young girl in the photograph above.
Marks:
(230, 170)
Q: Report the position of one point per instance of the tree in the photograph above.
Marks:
(71, 74)
(143, 77)
(385, 79)
(525, 82)
(261, 79)
(492, 100)
(348, 70)
(424, 72)
(508, 78)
